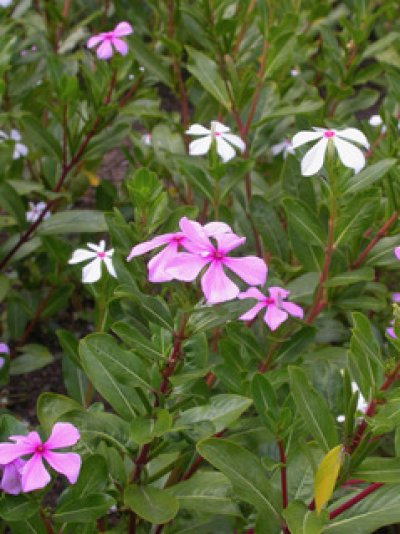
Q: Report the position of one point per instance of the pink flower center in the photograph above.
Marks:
(217, 134)
(101, 255)
(109, 36)
(329, 134)
(269, 301)
(217, 255)
(177, 239)
(40, 448)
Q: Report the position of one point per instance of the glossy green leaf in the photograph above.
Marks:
(74, 222)
(152, 504)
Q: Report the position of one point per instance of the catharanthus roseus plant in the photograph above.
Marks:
(199, 267)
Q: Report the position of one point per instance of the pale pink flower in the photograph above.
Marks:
(107, 40)
(33, 474)
(147, 139)
(35, 211)
(396, 297)
(349, 154)
(4, 349)
(397, 252)
(157, 266)
(277, 310)
(216, 286)
(390, 330)
(11, 479)
(222, 137)
(98, 254)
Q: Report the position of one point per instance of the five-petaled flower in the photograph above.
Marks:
(277, 310)
(350, 155)
(218, 133)
(107, 40)
(216, 286)
(19, 148)
(284, 147)
(33, 473)
(98, 254)
(157, 266)
(35, 211)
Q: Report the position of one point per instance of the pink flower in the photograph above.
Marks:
(277, 311)
(33, 473)
(157, 266)
(216, 286)
(396, 297)
(390, 331)
(397, 252)
(107, 40)
(11, 480)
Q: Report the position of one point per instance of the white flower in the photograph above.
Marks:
(19, 148)
(294, 72)
(98, 254)
(375, 120)
(5, 3)
(146, 139)
(35, 210)
(218, 132)
(350, 155)
(285, 146)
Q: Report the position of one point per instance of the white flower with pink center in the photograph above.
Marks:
(98, 254)
(222, 137)
(349, 154)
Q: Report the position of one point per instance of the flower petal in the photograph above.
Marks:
(34, 475)
(212, 229)
(120, 46)
(11, 451)
(95, 40)
(109, 266)
(350, 155)
(11, 479)
(105, 50)
(200, 146)
(66, 463)
(301, 138)
(186, 267)
(224, 150)
(278, 148)
(123, 28)
(314, 158)
(196, 234)
(62, 435)
(146, 246)
(216, 286)
(235, 140)
(249, 315)
(218, 127)
(158, 265)
(229, 241)
(251, 293)
(15, 135)
(81, 254)
(293, 309)
(197, 129)
(21, 149)
(274, 317)
(251, 269)
(278, 293)
(92, 271)
(352, 134)
(397, 252)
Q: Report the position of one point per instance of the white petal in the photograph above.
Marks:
(22, 149)
(235, 140)
(81, 254)
(350, 155)
(305, 137)
(375, 120)
(314, 158)
(96, 248)
(225, 150)
(110, 267)
(218, 127)
(352, 134)
(92, 271)
(200, 146)
(15, 135)
(278, 148)
(197, 129)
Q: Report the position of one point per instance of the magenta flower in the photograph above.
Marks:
(11, 480)
(397, 252)
(157, 266)
(390, 330)
(216, 286)
(33, 474)
(107, 40)
(277, 311)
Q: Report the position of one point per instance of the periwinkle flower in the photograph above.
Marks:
(98, 254)
(107, 41)
(222, 137)
(20, 149)
(35, 211)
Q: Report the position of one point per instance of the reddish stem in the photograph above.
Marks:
(354, 500)
(282, 459)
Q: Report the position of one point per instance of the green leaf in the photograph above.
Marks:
(152, 504)
(34, 357)
(246, 473)
(74, 222)
(382, 253)
(371, 174)
(265, 401)
(314, 410)
(303, 108)
(150, 60)
(41, 137)
(206, 492)
(326, 476)
(17, 507)
(304, 222)
(84, 509)
(11, 202)
(376, 469)
(51, 407)
(205, 70)
(269, 226)
(136, 340)
(145, 429)
(301, 520)
(365, 274)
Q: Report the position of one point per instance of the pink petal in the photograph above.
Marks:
(196, 234)
(11, 479)
(249, 315)
(123, 28)
(217, 287)
(95, 40)
(293, 309)
(158, 265)
(251, 269)
(4, 348)
(62, 435)
(397, 252)
(212, 229)
(146, 246)
(278, 293)
(229, 241)
(251, 293)
(186, 267)
(396, 297)
(390, 332)
(34, 474)
(11, 451)
(274, 317)
(120, 46)
(105, 50)
(66, 463)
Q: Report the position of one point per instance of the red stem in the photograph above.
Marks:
(354, 500)
(282, 459)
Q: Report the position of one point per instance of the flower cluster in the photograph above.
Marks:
(20, 149)
(23, 474)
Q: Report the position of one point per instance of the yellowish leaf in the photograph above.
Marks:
(93, 179)
(326, 476)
